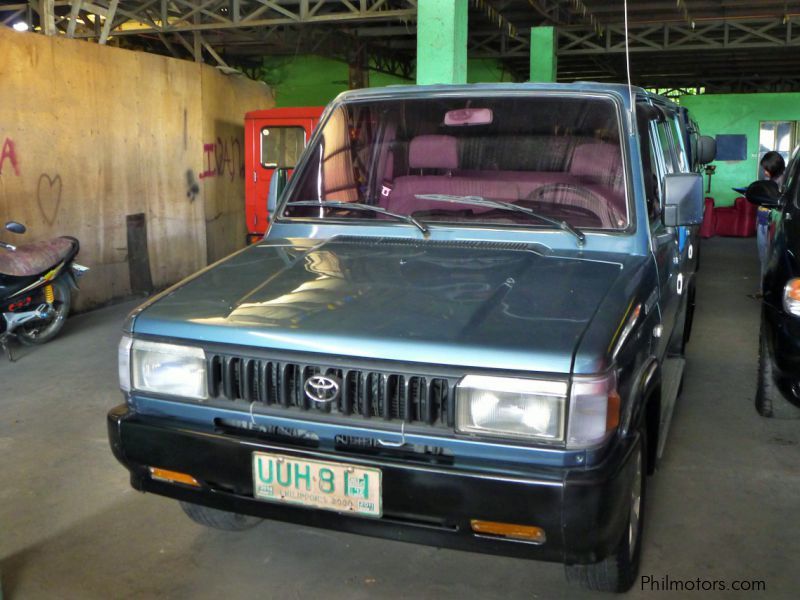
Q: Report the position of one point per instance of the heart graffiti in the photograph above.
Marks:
(48, 196)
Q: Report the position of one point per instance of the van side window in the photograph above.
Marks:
(654, 181)
(665, 142)
(281, 146)
(649, 170)
(680, 144)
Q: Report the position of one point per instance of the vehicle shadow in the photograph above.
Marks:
(142, 546)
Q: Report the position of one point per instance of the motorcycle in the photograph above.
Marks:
(36, 283)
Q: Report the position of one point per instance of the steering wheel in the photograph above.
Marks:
(581, 197)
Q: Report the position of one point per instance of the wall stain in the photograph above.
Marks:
(192, 185)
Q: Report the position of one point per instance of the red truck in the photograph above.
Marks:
(273, 139)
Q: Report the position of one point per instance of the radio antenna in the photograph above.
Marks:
(628, 60)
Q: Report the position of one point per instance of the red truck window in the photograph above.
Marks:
(281, 146)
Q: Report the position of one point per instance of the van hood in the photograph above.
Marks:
(481, 304)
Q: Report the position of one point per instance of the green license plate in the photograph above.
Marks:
(330, 486)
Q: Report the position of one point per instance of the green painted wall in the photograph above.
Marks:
(315, 80)
(739, 113)
(486, 70)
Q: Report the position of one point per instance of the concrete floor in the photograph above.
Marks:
(723, 506)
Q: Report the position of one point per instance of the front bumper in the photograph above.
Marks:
(584, 512)
(783, 344)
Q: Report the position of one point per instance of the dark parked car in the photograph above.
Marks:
(465, 327)
(778, 392)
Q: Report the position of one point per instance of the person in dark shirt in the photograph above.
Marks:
(773, 167)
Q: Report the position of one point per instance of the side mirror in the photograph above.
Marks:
(276, 185)
(683, 199)
(706, 149)
(764, 193)
(15, 227)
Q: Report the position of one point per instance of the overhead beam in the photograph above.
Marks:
(47, 17)
(249, 22)
(11, 18)
(112, 11)
(725, 35)
(214, 54)
(73, 17)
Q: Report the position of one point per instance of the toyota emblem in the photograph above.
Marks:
(321, 389)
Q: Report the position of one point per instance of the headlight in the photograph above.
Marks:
(168, 369)
(593, 410)
(510, 407)
(791, 297)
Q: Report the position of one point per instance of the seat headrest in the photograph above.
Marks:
(433, 152)
(599, 161)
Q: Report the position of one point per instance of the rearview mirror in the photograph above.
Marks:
(15, 227)
(706, 149)
(276, 185)
(469, 116)
(764, 193)
(683, 199)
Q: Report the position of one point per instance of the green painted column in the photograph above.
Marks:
(543, 54)
(441, 41)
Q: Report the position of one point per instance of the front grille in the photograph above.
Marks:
(364, 393)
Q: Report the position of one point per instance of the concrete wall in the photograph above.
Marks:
(91, 134)
(739, 114)
(315, 80)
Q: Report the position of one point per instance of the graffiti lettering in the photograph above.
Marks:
(208, 150)
(10, 154)
(48, 196)
(223, 158)
(221, 149)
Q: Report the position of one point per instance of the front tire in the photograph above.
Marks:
(617, 572)
(40, 332)
(770, 401)
(218, 519)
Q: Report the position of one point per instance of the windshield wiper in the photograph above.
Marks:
(480, 201)
(366, 207)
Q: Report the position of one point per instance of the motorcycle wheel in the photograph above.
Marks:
(39, 332)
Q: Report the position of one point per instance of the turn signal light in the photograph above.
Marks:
(173, 476)
(527, 533)
(791, 297)
(612, 413)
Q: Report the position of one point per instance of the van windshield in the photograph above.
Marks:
(558, 156)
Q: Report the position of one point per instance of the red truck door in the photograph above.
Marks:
(273, 138)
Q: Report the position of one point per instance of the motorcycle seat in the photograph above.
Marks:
(37, 257)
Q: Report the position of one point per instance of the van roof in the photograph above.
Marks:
(618, 89)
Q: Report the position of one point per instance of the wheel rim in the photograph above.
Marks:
(636, 506)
